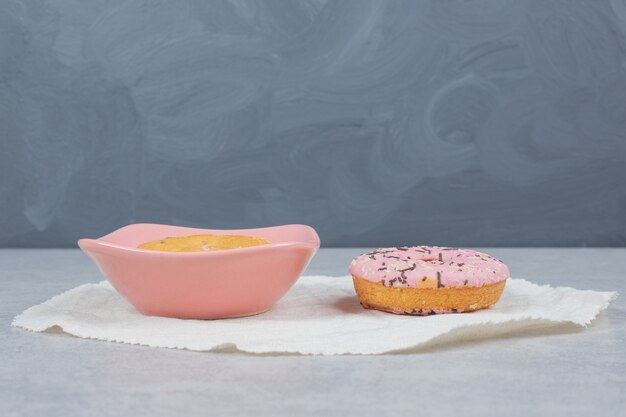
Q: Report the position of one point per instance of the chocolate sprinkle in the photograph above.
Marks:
(440, 258)
(465, 282)
(439, 284)
(403, 271)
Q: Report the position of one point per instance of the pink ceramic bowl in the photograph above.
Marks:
(202, 285)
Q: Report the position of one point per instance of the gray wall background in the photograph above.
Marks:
(490, 122)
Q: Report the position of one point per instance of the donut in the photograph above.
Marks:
(425, 280)
(202, 243)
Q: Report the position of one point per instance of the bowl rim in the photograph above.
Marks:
(99, 245)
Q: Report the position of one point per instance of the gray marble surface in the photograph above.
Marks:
(501, 118)
(562, 371)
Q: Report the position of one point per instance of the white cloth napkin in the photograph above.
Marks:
(319, 315)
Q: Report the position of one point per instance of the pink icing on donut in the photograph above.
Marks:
(429, 266)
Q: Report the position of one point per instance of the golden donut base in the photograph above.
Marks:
(426, 301)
